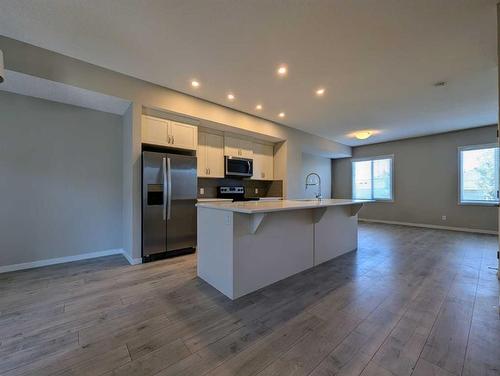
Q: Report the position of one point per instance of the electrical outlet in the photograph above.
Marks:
(256, 190)
(443, 217)
(228, 219)
(202, 191)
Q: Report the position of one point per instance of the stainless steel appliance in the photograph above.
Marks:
(236, 193)
(241, 167)
(169, 188)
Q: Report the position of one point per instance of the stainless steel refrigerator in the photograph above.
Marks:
(169, 190)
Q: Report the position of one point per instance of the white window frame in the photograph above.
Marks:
(389, 156)
(473, 147)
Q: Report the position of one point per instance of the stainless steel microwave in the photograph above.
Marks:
(241, 167)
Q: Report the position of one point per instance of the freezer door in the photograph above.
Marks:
(154, 231)
(181, 202)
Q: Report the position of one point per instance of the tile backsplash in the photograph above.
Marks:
(266, 188)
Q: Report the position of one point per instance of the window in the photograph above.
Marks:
(478, 170)
(372, 179)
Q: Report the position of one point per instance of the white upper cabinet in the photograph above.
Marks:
(183, 136)
(263, 161)
(164, 132)
(154, 131)
(238, 147)
(210, 155)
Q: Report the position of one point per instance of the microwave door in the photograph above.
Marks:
(238, 167)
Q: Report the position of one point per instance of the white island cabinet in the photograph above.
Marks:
(244, 246)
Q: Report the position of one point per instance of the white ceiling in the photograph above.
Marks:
(25, 84)
(378, 59)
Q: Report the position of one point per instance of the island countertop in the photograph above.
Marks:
(252, 207)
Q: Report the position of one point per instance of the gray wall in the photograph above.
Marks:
(425, 181)
(321, 166)
(61, 180)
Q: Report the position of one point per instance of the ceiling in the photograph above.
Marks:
(377, 59)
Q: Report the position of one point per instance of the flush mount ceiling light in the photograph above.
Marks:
(362, 135)
(195, 83)
(2, 72)
(281, 114)
(258, 107)
(440, 84)
(282, 70)
(320, 92)
(231, 97)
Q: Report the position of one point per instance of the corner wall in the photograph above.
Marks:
(60, 181)
(425, 181)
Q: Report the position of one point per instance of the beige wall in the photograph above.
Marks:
(24, 58)
(60, 180)
(425, 181)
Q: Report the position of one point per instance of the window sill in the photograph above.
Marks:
(475, 203)
(374, 200)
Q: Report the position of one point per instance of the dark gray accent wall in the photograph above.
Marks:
(266, 188)
(60, 180)
(425, 181)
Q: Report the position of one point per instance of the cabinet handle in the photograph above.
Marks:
(173, 140)
(263, 174)
(168, 141)
(209, 172)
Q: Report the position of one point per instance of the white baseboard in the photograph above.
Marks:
(437, 227)
(62, 260)
(131, 260)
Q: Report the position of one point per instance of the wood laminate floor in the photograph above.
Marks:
(409, 302)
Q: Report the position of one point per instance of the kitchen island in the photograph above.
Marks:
(244, 246)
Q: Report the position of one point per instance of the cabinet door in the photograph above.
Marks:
(238, 147)
(262, 161)
(246, 148)
(201, 155)
(231, 146)
(154, 131)
(215, 155)
(268, 161)
(183, 136)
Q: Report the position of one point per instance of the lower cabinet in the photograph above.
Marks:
(210, 155)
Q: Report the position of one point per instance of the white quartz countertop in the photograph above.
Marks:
(251, 207)
(215, 200)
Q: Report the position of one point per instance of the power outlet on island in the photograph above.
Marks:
(443, 217)
(256, 191)
(202, 191)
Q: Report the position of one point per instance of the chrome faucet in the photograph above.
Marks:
(318, 195)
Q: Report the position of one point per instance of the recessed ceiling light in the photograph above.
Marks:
(231, 96)
(362, 135)
(258, 107)
(282, 70)
(281, 114)
(195, 83)
(320, 92)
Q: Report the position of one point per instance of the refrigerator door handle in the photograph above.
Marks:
(169, 192)
(164, 172)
